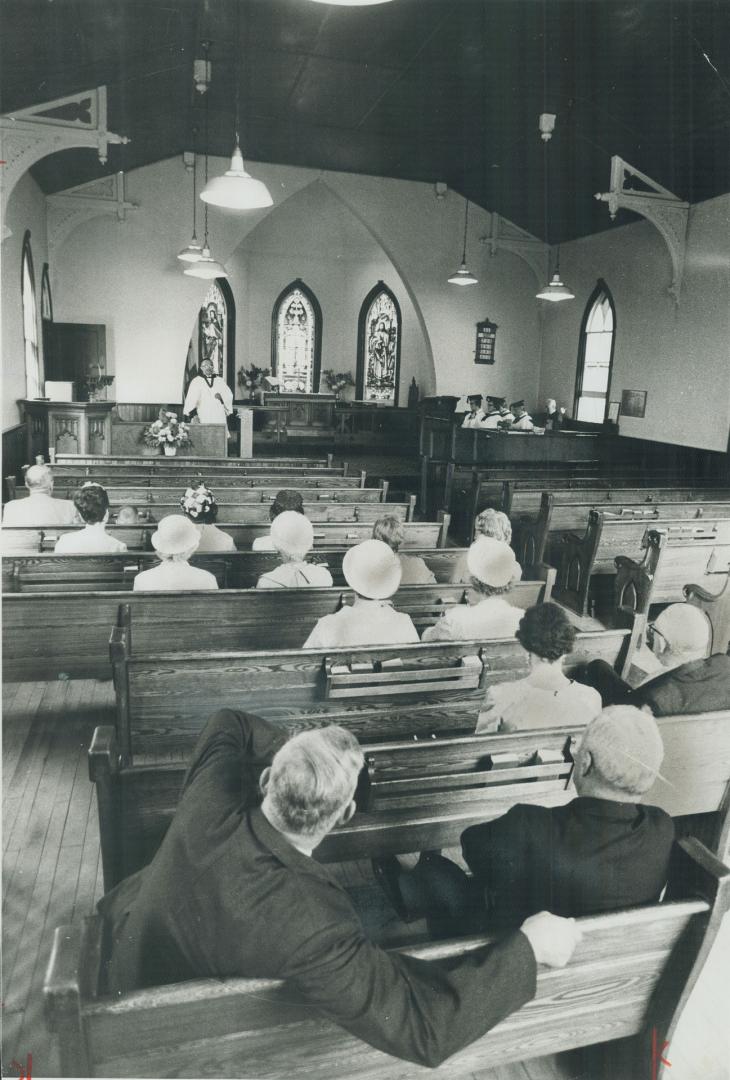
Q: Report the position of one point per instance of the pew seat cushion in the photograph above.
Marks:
(544, 698)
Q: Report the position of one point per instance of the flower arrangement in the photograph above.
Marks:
(167, 430)
(252, 379)
(199, 503)
(337, 380)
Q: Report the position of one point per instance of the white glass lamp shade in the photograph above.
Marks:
(556, 290)
(463, 277)
(236, 189)
(206, 267)
(193, 252)
(351, 3)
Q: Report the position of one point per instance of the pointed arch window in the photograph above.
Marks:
(216, 335)
(296, 339)
(30, 322)
(595, 356)
(378, 347)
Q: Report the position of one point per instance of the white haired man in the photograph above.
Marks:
(233, 891)
(693, 682)
(602, 851)
(39, 508)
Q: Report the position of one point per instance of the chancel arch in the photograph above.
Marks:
(296, 339)
(378, 347)
(595, 356)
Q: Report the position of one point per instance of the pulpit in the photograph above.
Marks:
(67, 427)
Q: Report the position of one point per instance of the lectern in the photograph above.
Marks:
(68, 427)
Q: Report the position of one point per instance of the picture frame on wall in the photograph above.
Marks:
(614, 408)
(633, 403)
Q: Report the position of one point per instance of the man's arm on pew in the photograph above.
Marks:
(233, 749)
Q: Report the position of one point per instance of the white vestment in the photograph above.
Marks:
(202, 396)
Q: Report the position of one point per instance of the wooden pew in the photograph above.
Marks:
(218, 479)
(608, 537)
(48, 572)
(716, 605)
(418, 534)
(566, 511)
(146, 494)
(377, 692)
(632, 973)
(39, 646)
(165, 462)
(421, 795)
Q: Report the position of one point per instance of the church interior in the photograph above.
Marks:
(272, 259)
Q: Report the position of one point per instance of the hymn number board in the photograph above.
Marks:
(486, 341)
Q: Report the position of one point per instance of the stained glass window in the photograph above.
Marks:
(212, 327)
(30, 324)
(297, 340)
(379, 347)
(595, 356)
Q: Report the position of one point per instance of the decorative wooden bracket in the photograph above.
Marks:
(69, 208)
(512, 238)
(664, 210)
(28, 135)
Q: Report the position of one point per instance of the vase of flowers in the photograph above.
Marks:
(251, 381)
(167, 433)
(337, 381)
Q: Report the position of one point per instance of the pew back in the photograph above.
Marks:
(147, 494)
(662, 577)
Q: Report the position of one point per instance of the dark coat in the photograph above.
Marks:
(589, 856)
(695, 687)
(227, 895)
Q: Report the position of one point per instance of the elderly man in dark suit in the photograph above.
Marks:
(233, 890)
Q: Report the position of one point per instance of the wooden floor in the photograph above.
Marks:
(52, 875)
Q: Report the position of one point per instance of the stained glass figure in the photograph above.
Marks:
(379, 346)
(212, 323)
(295, 341)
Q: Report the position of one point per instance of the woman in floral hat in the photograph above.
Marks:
(200, 506)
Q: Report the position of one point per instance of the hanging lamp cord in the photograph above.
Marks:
(466, 222)
(206, 46)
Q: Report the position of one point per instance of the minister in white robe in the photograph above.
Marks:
(209, 395)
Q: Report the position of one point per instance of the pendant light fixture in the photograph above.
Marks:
(206, 267)
(237, 189)
(194, 250)
(351, 3)
(555, 290)
(462, 275)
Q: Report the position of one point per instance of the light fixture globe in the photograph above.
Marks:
(463, 277)
(555, 290)
(237, 189)
(206, 267)
(193, 251)
(351, 3)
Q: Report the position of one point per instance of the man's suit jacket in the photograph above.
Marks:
(588, 856)
(227, 895)
(699, 686)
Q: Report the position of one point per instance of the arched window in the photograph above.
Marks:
(216, 335)
(378, 347)
(296, 339)
(595, 356)
(46, 301)
(30, 323)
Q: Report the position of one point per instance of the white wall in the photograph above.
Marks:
(341, 233)
(26, 210)
(679, 355)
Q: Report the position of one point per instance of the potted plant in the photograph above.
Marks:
(167, 432)
(251, 381)
(337, 381)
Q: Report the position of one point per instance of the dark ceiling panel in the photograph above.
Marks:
(415, 89)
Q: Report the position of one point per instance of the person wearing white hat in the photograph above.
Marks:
(200, 505)
(175, 540)
(493, 569)
(293, 537)
(374, 572)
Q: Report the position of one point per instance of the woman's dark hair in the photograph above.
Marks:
(286, 499)
(546, 631)
(92, 502)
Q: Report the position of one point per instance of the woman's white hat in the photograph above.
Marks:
(292, 533)
(372, 569)
(493, 562)
(174, 535)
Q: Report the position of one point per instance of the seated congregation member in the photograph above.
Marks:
(522, 421)
(414, 570)
(92, 504)
(286, 499)
(693, 683)
(233, 891)
(493, 570)
(545, 697)
(199, 504)
(293, 537)
(175, 540)
(492, 523)
(602, 851)
(373, 571)
(475, 415)
(38, 508)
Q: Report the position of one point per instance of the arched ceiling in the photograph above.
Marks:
(415, 89)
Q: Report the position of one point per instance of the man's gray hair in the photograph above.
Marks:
(313, 779)
(39, 478)
(626, 747)
(390, 530)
